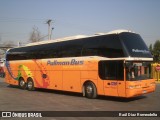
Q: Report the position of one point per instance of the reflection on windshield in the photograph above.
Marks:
(135, 46)
(138, 71)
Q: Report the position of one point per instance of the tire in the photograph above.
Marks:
(30, 85)
(90, 90)
(22, 84)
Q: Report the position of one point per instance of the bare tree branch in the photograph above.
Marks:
(35, 35)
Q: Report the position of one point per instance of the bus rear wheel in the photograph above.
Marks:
(22, 84)
(30, 85)
(90, 90)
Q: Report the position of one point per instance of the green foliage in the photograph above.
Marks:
(151, 48)
(155, 50)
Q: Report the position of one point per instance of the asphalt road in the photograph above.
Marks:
(15, 99)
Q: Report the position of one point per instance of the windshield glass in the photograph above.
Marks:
(134, 46)
(138, 70)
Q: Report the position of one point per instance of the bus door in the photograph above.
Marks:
(112, 74)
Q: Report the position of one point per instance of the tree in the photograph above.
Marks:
(151, 48)
(35, 35)
(155, 50)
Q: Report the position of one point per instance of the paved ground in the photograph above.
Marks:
(14, 99)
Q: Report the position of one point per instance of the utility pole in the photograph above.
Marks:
(49, 28)
(51, 31)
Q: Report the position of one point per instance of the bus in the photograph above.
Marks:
(117, 64)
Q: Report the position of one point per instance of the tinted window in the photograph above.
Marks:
(53, 50)
(111, 46)
(111, 70)
(89, 52)
(110, 53)
(134, 45)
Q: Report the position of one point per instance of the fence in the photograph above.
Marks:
(156, 71)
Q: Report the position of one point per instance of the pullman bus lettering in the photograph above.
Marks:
(72, 62)
(141, 51)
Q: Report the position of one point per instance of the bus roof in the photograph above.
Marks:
(58, 40)
(78, 37)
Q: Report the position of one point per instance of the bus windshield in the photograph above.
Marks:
(138, 71)
(134, 45)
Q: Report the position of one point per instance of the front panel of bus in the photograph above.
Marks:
(126, 78)
(138, 78)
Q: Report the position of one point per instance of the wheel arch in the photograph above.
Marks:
(30, 78)
(21, 78)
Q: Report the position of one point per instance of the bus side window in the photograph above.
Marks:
(111, 70)
(111, 66)
(89, 52)
(107, 70)
(102, 70)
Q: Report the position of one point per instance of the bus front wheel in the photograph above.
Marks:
(90, 90)
(30, 85)
(22, 84)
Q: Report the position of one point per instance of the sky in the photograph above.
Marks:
(78, 17)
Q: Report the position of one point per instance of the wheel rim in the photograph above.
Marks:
(30, 85)
(89, 89)
(22, 83)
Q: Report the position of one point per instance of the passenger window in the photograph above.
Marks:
(111, 70)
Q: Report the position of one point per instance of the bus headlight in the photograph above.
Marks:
(135, 86)
(131, 87)
(138, 86)
(152, 84)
